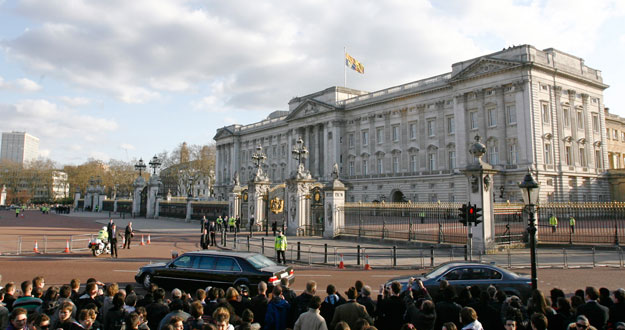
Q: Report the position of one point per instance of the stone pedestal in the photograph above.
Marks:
(3, 196)
(138, 185)
(334, 214)
(153, 185)
(298, 204)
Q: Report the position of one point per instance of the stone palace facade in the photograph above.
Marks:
(541, 109)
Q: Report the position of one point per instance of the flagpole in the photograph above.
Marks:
(344, 67)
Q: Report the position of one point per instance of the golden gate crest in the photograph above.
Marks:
(276, 205)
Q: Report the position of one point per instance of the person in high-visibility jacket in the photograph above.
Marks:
(572, 224)
(553, 222)
(220, 223)
(232, 224)
(17, 212)
(103, 235)
(280, 245)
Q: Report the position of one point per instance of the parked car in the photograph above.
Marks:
(199, 269)
(462, 274)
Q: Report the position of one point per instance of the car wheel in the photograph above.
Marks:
(147, 281)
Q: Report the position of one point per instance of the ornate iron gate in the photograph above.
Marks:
(144, 202)
(315, 225)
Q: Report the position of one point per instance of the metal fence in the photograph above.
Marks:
(210, 210)
(173, 209)
(31, 244)
(595, 223)
(426, 222)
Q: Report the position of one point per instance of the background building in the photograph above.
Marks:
(615, 138)
(19, 147)
(532, 108)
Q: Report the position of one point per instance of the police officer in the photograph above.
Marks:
(572, 224)
(220, 222)
(212, 228)
(231, 224)
(280, 245)
(553, 222)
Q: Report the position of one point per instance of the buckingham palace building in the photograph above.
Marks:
(531, 108)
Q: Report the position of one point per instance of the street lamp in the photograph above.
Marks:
(155, 163)
(140, 166)
(529, 188)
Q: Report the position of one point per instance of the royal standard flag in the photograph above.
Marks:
(353, 64)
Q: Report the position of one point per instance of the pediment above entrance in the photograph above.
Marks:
(309, 108)
(485, 66)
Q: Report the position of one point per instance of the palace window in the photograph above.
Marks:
(567, 117)
(431, 127)
(595, 123)
(511, 114)
(492, 117)
(452, 159)
(365, 138)
(567, 155)
(395, 164)
(547, 153)
(379, 135)
(451, 125)
(380, 165)
(545, 112)
(350, 140)
(413, 131)
(580, 120)
(473, 119)
(395, 131)
(365, 167)
(413, 163)
(512, 154)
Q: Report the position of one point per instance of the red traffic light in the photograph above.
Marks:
(471, 210)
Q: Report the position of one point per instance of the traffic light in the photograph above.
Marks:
(470, 214)
(463, 214)
(477, 215)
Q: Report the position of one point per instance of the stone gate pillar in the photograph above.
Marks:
(138, 185)
(257, 203)
(481, 180)
(234, 198)
(298, 200)
(76, 198)
(3, 195)
(153, 185)
(334, 213)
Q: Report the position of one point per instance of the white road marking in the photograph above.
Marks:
(315, 275)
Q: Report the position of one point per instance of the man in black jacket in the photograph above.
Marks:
(302, 301)
(157, 310)
(617, 310)
(259, 304)
(390, 307)
(597, 314)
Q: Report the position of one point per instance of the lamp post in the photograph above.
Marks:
(155, 163)
(140, 166)
(529, 188)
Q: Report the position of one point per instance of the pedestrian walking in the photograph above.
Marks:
(274, 227)
(17, 212)
(280, 245)
(572, 224)
(204, 232)
(129, 233)
(251, 224)
(237, 222)
(553, 222)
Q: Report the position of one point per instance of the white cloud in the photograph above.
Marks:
(45, 153)
(20, 85)
(75, 101)
(99, 155)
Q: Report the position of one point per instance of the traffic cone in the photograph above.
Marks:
(66, 247)
(341, 264)
(36, 249)
(148, 242)
(367, 266)
(142, 243)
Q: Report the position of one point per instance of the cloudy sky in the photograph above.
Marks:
(126, 79)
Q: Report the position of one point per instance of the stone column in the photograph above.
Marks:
(139, 184)
(235, 201)
(115, 206)
(334, 213)
(3, 196)
(325, 154)
(297, 203)
(76, 198)
(153, 185)
(481, 183)
(256, 203)
(189, 210)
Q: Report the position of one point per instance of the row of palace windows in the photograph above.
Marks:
(568, 119)
(615, 134)
(569, 156)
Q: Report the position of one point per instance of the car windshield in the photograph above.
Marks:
(437, 271)
(260, 261)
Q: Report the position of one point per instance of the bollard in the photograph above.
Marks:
(225, 239)
(262, 245)
(422, 261)
(564, 259)
(451, 253)
(480, 254)
(299, 251)
(45, 244)
(325, 253)
(383, 228)
(594, 261)
(394, 256)
(71, 242)
(466, 253)
(358, 255)
(248, 242)
(620, 256)
(431, 255)
(310, 255)
(235, 240)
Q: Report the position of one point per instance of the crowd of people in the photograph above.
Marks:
(108, 307)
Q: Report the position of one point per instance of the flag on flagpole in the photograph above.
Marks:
(353, 64)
